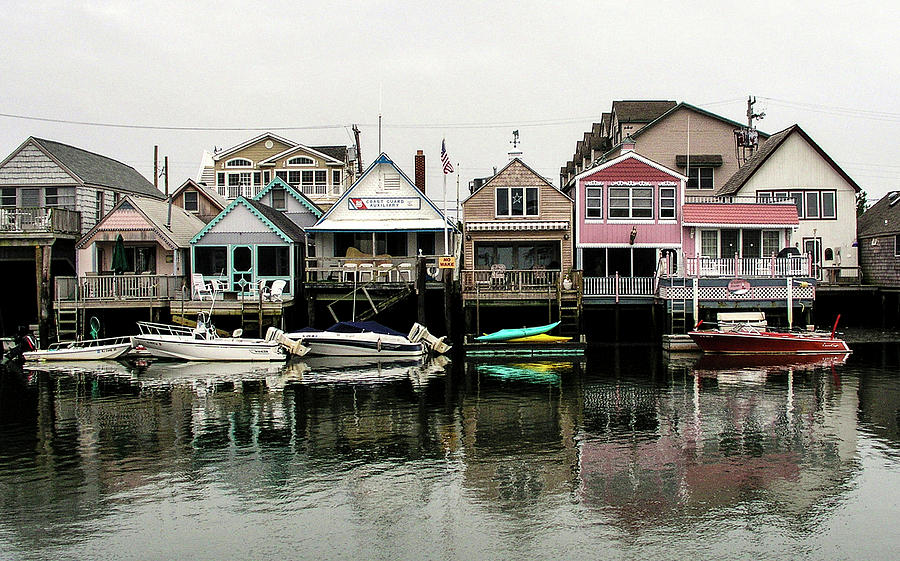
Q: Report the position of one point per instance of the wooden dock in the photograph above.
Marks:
(505, 348)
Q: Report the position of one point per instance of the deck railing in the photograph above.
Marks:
(40, 220)
(619, 286)
(748, 266)
(510, 280)
(366, 269)
(99, 288)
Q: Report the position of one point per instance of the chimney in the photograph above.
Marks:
(627, 144)
(420, 170)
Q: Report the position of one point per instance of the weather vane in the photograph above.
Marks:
(515, 140)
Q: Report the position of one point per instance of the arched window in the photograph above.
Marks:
(829, 254)
(239, 163)
(301, 161)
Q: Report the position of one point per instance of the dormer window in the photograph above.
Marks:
(301, 161)
(239, 163)
(191, 201)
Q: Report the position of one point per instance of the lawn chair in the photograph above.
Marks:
(498, 274)
(201, 288)
(277, 290)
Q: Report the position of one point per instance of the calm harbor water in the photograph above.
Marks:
(625, 454)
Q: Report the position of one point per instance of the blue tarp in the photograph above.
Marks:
(361, 326)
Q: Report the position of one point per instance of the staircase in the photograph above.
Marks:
(373, 308)
(678, 304)
(569, 304)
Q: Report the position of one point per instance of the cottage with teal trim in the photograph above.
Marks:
(283, 197)
(248, 242)
(383, 215)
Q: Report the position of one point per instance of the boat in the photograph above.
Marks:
(364, 339)
(541, 338)
(748, 339)
(516, 333)
(89, 349)
(203, 343)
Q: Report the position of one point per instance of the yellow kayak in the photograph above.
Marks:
(541, 338)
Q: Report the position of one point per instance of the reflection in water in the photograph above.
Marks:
(619, 456)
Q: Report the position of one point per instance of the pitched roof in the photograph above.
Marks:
(299, 196)
(212, 195)
(695, 109)
(222, 153)
(274, 219)
(98, 171)
(640, 111)
(739, 214)
(181, 227)
(742, 175)
(336, 152)
(507, 166)
(882, 218)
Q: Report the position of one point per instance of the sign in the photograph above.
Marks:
(737, 287)
(448, 262)
(384, 203)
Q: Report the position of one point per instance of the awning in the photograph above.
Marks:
(518, 225)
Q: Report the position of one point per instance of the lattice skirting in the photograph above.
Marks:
(721, 293)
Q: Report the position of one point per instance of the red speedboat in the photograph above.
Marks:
(745, 339)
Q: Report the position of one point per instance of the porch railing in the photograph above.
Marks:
(799, 265)
(619, 287)
(99, 288)
(377, 269)
(510, 280)
(40, 220)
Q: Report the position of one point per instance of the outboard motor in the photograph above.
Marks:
(24, 342)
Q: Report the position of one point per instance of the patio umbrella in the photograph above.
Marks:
(119, 261)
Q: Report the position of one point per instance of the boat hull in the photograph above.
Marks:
(187, 348)
(327, 343)
(104, 352)
(741, 342)
(541, 338)
(516, 333)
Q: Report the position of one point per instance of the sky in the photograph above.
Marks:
(192, 76)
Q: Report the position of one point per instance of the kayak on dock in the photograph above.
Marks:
(541, 338)
(516, 333)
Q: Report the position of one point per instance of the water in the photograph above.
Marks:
(624, 455)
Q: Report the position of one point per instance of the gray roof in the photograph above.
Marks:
(745, 172)
(280, 220)
(643, 111)
(337, 152)
(99, 171)
(882, 218)
(184, 225)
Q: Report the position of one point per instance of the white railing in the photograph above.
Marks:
(368, 269)
(510, 280)
(748, 266)
(118, 287)
(619, 287)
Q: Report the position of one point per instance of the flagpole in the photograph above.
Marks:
(446, 233)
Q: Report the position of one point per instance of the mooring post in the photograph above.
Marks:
(420, 289)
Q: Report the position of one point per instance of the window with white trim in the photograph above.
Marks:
(667, 202)
(593, 202)
(336, 182)
(700, 178)
(301, 161)
(191, 201)
(709, 243)
(812, 204)
(279, 198)
(517, 201)
(238, 163)
(771, 242)
(631, 202)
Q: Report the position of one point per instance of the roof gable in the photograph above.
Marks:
(207, 193)
(300, 148)
(766, 151)
(300, 197)
(640, 111)
(882, 218)
(637, 158)
(172, 224)
(261, 138)
(695, 109)
(511, 167)
(274, 220)
(380, 182)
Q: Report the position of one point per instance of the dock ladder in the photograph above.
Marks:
(252, 316)
(678, 304)
(569, 311)
(68, 324)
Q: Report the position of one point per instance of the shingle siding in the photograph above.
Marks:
(32, 167)
(879, 264)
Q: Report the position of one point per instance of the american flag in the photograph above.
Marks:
(445, 159)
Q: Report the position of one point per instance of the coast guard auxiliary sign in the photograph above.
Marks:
(384, 203)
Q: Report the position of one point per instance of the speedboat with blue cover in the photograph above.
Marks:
(363, 338)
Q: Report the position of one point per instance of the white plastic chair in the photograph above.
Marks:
(200, 288)
(404, 269)
(349, 272)
(366, 269)
(275, 294)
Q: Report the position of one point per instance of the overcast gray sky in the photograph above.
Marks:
(467, 71)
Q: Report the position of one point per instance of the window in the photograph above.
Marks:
(51, 196)
(279, 198)
(631, 202)
(709, 243)
(336, 181)
(321, 180)
(700, 178)
(518, 255)
(812, 204)
(798, 200)
(99, 207)
(191, 201)
(517, 201)
(266, 177)
(770, 242)
(301, 161)
(210, 260)
(273, 261)
(293, 178)
(593, 206)
(667, 202)
(8, 196)
(829, 204)
(220, 183)
(238, 163)
(896, 245)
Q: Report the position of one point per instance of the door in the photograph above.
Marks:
(813, 246)
(241, 268)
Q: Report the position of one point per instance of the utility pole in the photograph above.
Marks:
(166, 171)
(359, 166)
(156, 166)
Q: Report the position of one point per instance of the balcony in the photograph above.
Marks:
(121, 290)
(619, 287)
(40, 220)
(773, 267)
(379, 269)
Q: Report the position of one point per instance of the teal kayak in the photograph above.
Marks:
(507, 334)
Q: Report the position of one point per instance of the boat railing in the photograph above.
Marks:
(89, 343)
(150, 328)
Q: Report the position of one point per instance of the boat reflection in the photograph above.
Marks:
(533, 372)
(322, 370)
(755, 368)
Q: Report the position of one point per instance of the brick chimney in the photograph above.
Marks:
(420, 170)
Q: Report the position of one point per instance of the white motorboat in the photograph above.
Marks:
(367, 338)
(203, 343)
(89, 349)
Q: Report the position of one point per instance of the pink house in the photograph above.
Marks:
(627, 215)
